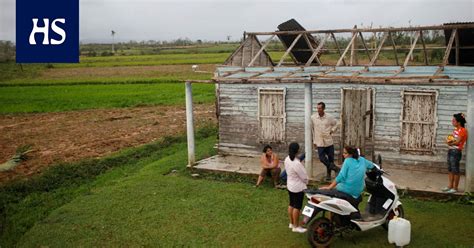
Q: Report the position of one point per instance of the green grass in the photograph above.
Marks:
(140, 203)
(24, 203)
(33, 99)
(154, 78)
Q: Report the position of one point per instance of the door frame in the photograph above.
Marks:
(369, 112)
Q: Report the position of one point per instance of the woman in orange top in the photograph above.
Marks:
(455, 143)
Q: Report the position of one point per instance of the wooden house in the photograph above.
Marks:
(402, 112)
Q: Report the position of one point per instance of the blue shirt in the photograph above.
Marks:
(351, 177)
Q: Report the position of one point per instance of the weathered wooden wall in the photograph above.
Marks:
(238, 121)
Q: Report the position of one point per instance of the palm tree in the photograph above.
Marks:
(113, 41)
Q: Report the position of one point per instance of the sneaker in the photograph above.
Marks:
(298, 229)
(451, 191)
(280, 186)
(328, 179)
(445, 189)
(291, 226)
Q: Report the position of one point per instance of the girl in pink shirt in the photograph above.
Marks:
(296, 183)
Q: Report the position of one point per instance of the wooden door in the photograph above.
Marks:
(272, 116)
(357, 120)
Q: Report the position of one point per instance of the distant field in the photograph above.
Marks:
(118, 74)
(33, 99)
(11, 72)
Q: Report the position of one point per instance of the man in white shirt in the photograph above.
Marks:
(323, 126)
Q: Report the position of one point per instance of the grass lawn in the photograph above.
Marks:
(28, 99)
(140, 203)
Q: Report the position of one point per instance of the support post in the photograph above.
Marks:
(308, 141)
(190, 124)
(469, 150)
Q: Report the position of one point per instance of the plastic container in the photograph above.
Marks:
(399, 231)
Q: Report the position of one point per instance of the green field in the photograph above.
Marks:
(33, 99)
(138, 201)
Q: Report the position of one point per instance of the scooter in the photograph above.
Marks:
(328, 215)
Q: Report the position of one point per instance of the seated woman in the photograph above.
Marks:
(349, 184)
(270, 166)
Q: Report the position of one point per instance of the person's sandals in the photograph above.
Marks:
(451, 191)
(298, 229)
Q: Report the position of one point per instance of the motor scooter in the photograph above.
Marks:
(328, 215)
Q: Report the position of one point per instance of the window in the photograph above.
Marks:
(418, 130)
(271, 115)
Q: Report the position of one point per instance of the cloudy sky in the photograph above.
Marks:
(216, 19)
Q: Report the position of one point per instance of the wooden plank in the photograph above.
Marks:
(379, 48)
(446, 53)
(418, 122)
(457, 48)
(260, 51)
(345, 51)
(351, 58)
(338, 48)
(413, 81)
(311, 49)
(400, 29)
(316, 51)
(365, 46)
(289, 49)
(417, 35)
(424, 47)
(394, 47)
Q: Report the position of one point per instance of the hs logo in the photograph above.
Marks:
(45, 31)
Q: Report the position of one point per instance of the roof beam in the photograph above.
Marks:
(316, 51)
(260, 51)
(406, 29)
(394, 47)
(457, 48)
(379, 48)
(407, 59)
(347, 49)
(305, 36)
(289, 49)
(424, 47)
(338, 49)
(365, 46)
(447, 52)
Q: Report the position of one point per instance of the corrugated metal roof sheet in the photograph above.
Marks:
(466, 39)
(301, 51)
(452, 72)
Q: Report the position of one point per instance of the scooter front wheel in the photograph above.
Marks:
(392, 214)
(320, 232)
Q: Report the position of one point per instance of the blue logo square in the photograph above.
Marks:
(47, 31)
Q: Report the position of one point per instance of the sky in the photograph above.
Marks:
(214, 20)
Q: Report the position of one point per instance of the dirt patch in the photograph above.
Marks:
(76, 135)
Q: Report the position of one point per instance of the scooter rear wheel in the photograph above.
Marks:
(391, 215)
(320, 232)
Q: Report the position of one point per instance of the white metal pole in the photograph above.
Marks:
(308, 142)
(470, 141)
(190, 124)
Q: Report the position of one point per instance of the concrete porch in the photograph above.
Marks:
(406, 180)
